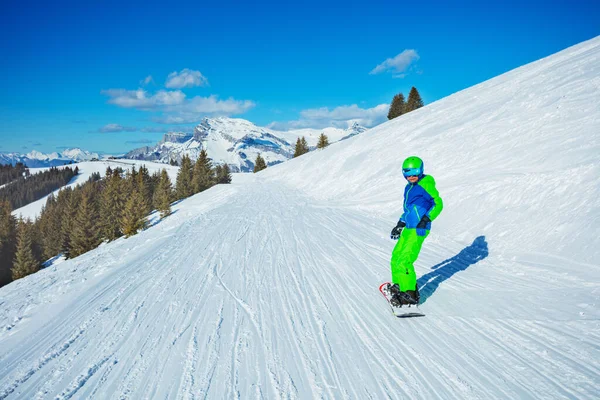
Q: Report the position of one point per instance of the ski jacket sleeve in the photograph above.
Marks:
(438, 205)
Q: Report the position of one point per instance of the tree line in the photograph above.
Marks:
(196, 177)
(401, 106)
(79, 219)
(9, 173)
(28, 188)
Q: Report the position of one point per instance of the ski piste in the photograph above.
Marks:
(406, 311)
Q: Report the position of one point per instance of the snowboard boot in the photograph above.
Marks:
(394, 291)
(412, 297)
(399, 298)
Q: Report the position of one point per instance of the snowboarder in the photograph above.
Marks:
(422, 204)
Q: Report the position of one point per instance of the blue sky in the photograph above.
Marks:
(112, 75)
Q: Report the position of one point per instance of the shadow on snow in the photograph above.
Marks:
(468, 256)
(158, 219)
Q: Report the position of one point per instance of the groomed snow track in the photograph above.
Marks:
(268, 288)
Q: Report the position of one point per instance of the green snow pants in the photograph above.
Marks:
(404, 256)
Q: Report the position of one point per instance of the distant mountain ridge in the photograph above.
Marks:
(236, 142)
(36, 159)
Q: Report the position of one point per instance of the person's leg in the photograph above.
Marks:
(404, 256)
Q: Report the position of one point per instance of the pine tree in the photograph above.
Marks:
(8, 241)
(132, 176)
(69, 200)
(259, 164)
(397, 107)
(112, 204)
(323, 141)
(133, 220)
(163, 194)
(301, 147)
(224, 174)
(305, 148)
(414, 100)
(48, 225)
(298, 150)
(25, 262)
(85, 235)
(184, 178)
(154, 179)
(203, 173)
(144, 186)
(37, 242)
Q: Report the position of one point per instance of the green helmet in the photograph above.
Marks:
(412, 166)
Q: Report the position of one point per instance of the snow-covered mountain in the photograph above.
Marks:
(236, 142)
(267, 288)
(36, 159)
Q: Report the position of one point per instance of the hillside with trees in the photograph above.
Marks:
(22, 188)
(79, 219)
(9, 173)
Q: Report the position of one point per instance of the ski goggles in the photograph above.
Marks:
(411, 171)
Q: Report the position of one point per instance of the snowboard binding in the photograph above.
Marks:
(399, 298)
(402, 304)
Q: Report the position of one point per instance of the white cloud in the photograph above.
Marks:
(340, 117)
(212, 105)
(147, 80)
(173, 104)
(185, 78)
(196, 108)
(141, 100)
(114, 128)
(397, 65)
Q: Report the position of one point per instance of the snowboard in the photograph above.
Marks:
(406, 311)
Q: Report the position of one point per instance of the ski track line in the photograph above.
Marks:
(108, 305)
(72, 316)
(173, 287)
(251, 315)
(558, 360)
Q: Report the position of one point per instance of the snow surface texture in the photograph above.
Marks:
(86, 169)
(268, 287)
(236, 142)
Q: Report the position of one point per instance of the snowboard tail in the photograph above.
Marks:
(404, 311)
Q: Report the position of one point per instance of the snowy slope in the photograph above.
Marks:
(236, 142)
(86, 169)
(267, 288)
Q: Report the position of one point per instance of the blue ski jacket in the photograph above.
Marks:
(421, 198)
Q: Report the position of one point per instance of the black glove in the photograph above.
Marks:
(422, 225)
(423, 222)
(397, 230)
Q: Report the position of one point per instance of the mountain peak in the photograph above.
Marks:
(236, 142)
(37, 159)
